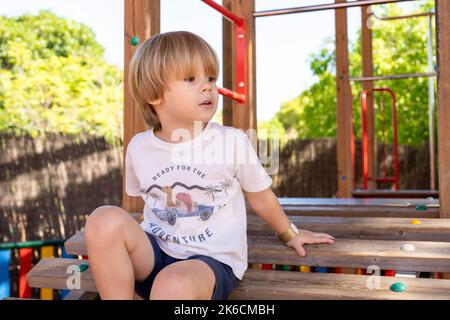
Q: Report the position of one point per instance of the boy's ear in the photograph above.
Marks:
(155, 102)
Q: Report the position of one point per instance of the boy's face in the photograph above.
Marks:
(188, 99)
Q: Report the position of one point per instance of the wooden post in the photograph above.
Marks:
(443, 104)
(227, 66)
(367, 71)
(142, 19)
(244, 115)
(344, 107)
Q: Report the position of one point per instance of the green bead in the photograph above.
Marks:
(398, 287)
(421, 207)
(134, 41)
(83, 267)
(285, 267)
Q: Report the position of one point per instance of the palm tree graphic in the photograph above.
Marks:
(154, 196)
(211, 190)
(227, 184)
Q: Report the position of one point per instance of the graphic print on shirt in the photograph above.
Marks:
(179, 200)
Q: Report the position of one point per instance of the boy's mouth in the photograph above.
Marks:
(206, 103)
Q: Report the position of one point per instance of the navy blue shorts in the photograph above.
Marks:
(226, 281)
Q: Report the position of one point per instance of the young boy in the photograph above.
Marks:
(192, 243)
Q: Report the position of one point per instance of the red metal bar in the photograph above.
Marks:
(394, 124)
(227, 13)
(365, 150)
(241, 61)
(241, 53)
(231, 94)
(365, 144)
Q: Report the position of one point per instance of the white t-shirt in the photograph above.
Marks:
(192, 191)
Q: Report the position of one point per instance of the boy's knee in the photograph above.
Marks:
(103, 221)
(171, 286)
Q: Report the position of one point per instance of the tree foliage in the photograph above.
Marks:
(399, 47)
(54, 79)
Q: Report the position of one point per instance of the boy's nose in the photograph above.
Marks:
(207, 87)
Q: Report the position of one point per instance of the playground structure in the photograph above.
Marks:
(383, 236)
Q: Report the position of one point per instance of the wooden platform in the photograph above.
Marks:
(399, 229)
(272, 284)
(361, 242)
(366, 202)
(393, 208)
(359, 193)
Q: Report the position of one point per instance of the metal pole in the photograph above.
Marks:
(321, 7)
(226, 13)
(431, 103)
(396, 76)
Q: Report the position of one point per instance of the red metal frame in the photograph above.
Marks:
(241, 53)
(365, 144)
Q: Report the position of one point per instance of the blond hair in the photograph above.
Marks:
(162, 57)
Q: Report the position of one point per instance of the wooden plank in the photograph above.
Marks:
(81, 295)
(443, 103)
(76, 245)
(25, 259)
(387, 255)
(358, 202)
(275, 284)
(358, 212)
(340, 227)
(142, 19)
(244, 115)
(47, 293)
(227, 66)
(395, 193)
(5, 261)
(52, 273)
(344, 107)
(367, 71)
(428, 256)
(364, 228)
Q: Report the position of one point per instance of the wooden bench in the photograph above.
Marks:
(393, 208)
(359, 193)
(361, 242)
(272, 284)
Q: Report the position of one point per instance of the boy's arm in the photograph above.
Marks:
(266, 205)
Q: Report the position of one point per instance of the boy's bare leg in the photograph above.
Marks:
(119, 252)
(184, 280)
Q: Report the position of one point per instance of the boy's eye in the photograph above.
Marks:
(213, 79)
(190, 79)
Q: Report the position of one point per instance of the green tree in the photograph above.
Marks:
(399, 46)
(54, 79)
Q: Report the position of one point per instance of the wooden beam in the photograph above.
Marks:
(443, 102)
(346, 227)
(367, 71)
(384, 193)
(399, 229)
(244, 115)
(344, 107)
(142, 19)
(274, 284)
(227, 66)
(387, 255)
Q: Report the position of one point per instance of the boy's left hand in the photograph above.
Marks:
(308, 237)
